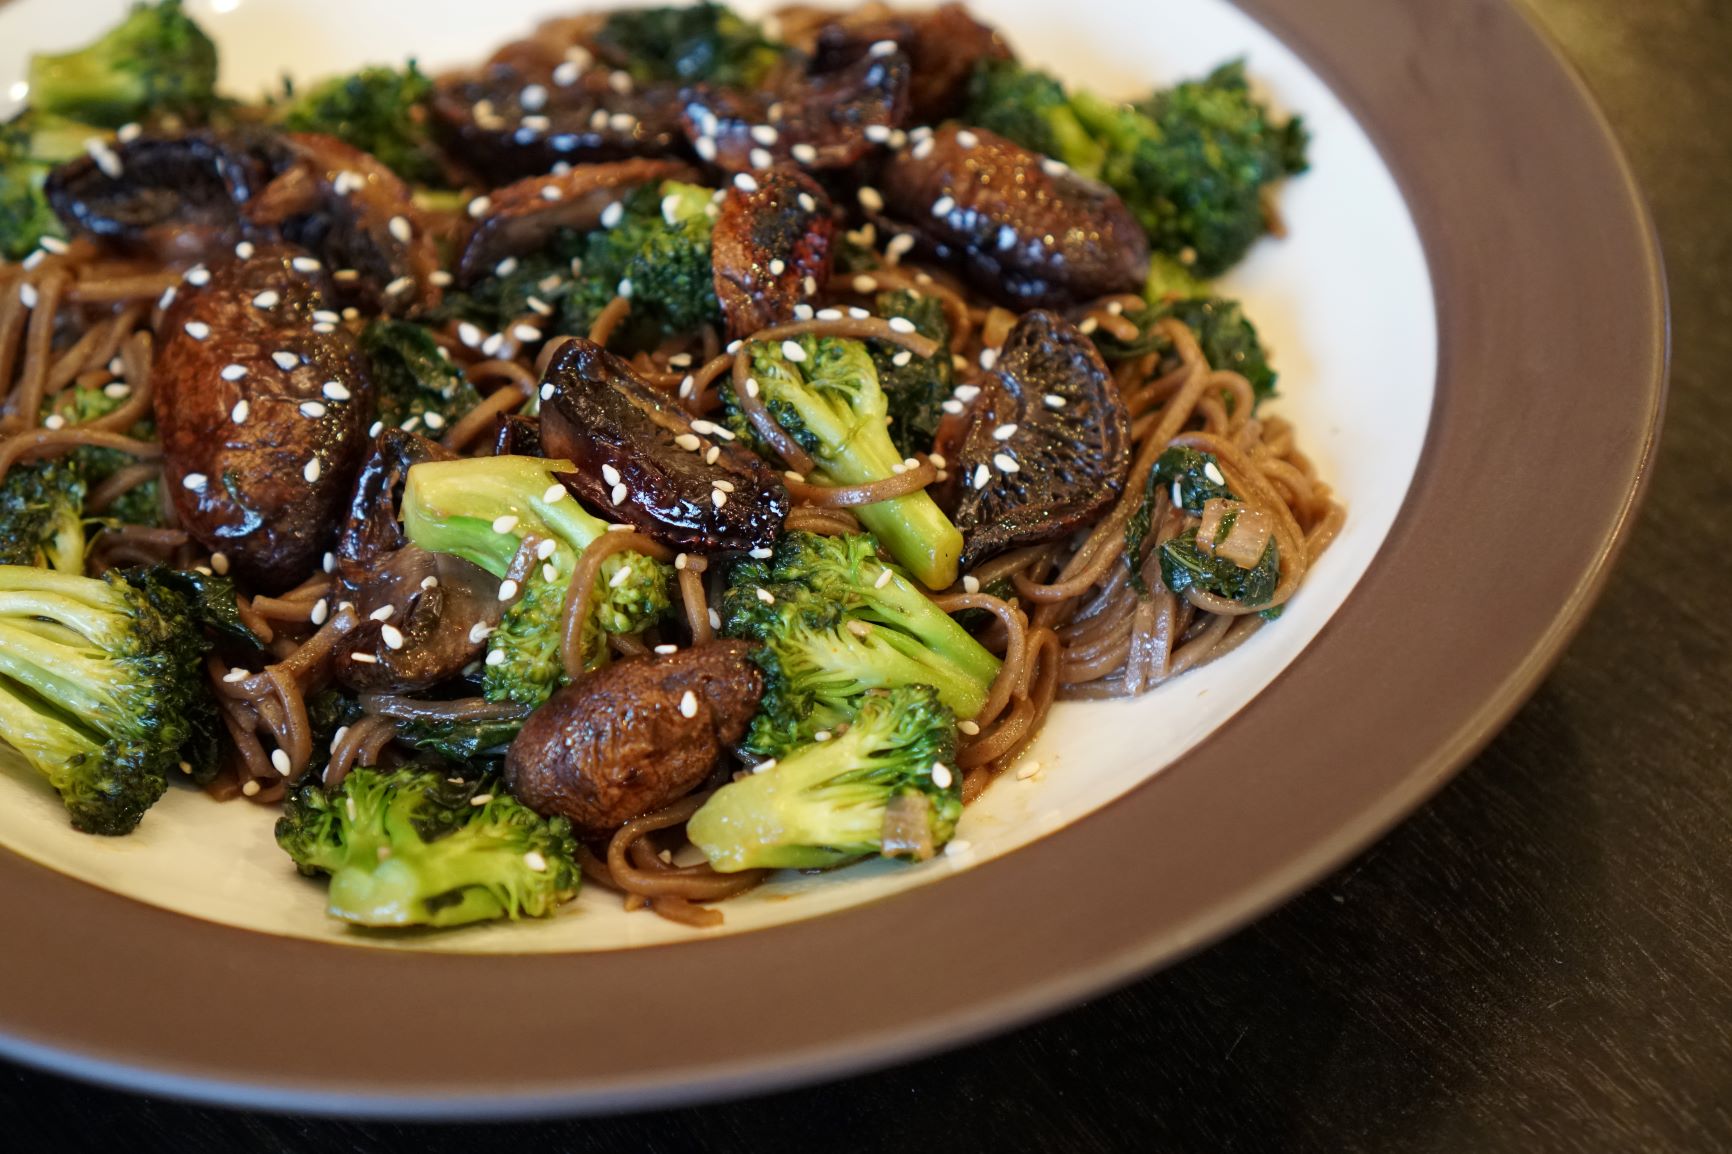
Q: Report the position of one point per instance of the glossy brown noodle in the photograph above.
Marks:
(1076, 627)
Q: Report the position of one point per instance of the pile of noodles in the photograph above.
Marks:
(1076, 628)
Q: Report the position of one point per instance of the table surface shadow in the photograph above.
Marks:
(1539, 960)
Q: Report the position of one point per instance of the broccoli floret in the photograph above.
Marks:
(916, 387)
(702, 42)
(379, 110)
(660, 244)
(887, 786)
(1226, 336)
(140, 505)
(101, 688)
(1032, 108)
(412, 847)
(833, 622)
(488, 509)
(42, 515)
(156, 61)
(30, 146)
(829, 400)
(1191, 162)
(416, 383)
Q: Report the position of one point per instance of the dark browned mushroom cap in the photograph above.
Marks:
(1026, 231)
(647, 462)
(359, 217)
(943, 46)
(521, 218)
(424, 616)
(174, 196)
(771, 248)
(262, 403)
(1047, 446)
(523, 114)
(634, 737)
(819, 120)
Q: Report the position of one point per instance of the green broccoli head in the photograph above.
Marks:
(1032, 108)
(1191, 162)
(885, 786)
(156, 61)
(42, 515)
(825, 392)
(379, 110)
(416, 383)
(914, 387)
(487, 510)
(140, 505)
(685, 45)
(31, 144)
(834, 622)
(103, 688)
(413, 847)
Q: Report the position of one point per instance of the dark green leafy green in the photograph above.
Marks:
(380, 110)
(684, 45)
(916, 387)
(413, 377)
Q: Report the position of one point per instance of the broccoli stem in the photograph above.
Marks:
(454, 507)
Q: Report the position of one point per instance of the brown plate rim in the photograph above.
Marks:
(1552, 360)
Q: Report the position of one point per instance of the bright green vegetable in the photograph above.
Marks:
(834, 622)
(829, 400)
(42, 515)
(486, 510)
(886, 786)
(155, 62)
(139, 505)
(102, 689)
(380, 110)
(31, 144)
(412, 847)
(1192, 162)
(700, 42)
(416, 383)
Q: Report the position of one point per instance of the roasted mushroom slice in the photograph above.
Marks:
(262, 415)
(520, 116)
(819, 120)
(634, 737)
(371, 531)
(361, 220)
(1048, 443)
(943, 45)
(649, 463)
(173, 196)
(521, 218)
(771, 248)
(1025, 230)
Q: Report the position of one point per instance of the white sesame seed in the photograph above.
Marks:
(335, 391)
(547, 391)
(267, 299)
(555, 492)
(943, 206)
(401, 230)
(760, 158)
(878, 133)
(116, 390)
(988, 358)
(752, 386)
(966, 393)
(391, 636)
(198, 275)
(744, 182)
(504, 523)
(665, 650)
(765, 766)
(610, 474)
(624, 288)
(280, 761)
(981, 476)
(54, 421)
(764, 595)
(128, 133)
(305, 264)
(1004, 432)
(1088, 325)
(440, 277)
(688, 442)
(321, 610)
(546, 549)
(195, 482)
(793, 351)
(715, 619)
(612, 214)
(401, 285)
(1006, 463)
(821, 735)
(969, 727)
(197, 330)
(507, 589)
(951, 406)
(688, 386)
(479, 632)
(688, 704)
(778, 266)
(900, 245)
(901, 325)
(718, 498)
(250, 789)
(966, 138)
(1053, 401)
(312, 409)
(619, 529)
(344, 276)
(104, 157)
(706, 148)
(805, 154)
(330, 566)
(479, 206)
(234, 372)
(533, 98)
(480, 800)
(724, 486)
(883, 579)
(531, 859)
(491, 346)
(312, 471)
(496, 657)
(882, 48)
(860, 628)
(809, 286)
(923, 148)
(618, 494)
(237, 674)
(620, 577)
(506, 267)
(902, 358)
(1213, 472)
(941, 776)
(871, 199)
(526, 333)
(375, 428)
(712, 454)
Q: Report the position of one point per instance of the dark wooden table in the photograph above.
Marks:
(1541, 960)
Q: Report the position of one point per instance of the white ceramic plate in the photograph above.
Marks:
(1345, 302)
